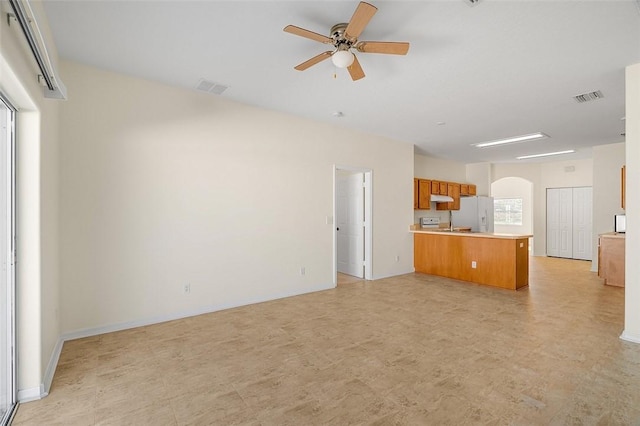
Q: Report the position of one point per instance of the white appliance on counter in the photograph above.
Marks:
(430, 222)
(476, 212)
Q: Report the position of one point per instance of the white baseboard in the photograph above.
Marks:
(630, 337)
(51, 367)
(405, 272)
(31, 394)
(88, 332)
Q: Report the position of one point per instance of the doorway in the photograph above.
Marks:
(7, 251)
(353, 224)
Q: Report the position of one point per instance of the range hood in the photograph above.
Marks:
(441, 199)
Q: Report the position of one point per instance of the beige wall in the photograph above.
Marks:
(607, 161)
(543, 176)
(37, 304)
(162, 187)
(480, 175)
(632, 204)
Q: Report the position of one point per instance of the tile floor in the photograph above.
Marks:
(413, 349)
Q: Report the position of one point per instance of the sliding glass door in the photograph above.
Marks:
(7, 261)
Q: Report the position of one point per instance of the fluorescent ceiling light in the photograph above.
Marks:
(514, 139)
(546, 154)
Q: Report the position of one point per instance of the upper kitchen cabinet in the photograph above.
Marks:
(435, 187)
(453, 191)
(424, 188)
(422, 194)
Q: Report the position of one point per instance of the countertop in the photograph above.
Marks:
(416, 229)
(613, 235)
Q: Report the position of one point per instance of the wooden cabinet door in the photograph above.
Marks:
(464, 189)
(435, 187)
(416, 194)
(443, 188)
(424, 194)
(453, 191)
(472, 189)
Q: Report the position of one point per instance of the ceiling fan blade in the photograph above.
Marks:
(361, 17)
(318, 58)
(355, 70)
(307, 34)
(388, 47)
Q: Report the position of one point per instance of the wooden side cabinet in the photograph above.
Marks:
(611, 258)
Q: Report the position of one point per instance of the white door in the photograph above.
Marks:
(582, 207)
(553, 222)
(350, 224)
(560, 222)
(565, 222)
(569, 222)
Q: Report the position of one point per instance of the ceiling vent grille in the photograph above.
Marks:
(211, 87)
(474, 2)
(586, 97)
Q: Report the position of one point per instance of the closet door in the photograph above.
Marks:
(569, 214)
(582, 223)
(560, 222)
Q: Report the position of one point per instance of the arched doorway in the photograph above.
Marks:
(513, 206)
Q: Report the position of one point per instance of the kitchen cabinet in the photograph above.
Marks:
(495, 260)
(422, 194)
(435, 187)
(424, 188)
(611, 258)
(443, 188)
(453, 191)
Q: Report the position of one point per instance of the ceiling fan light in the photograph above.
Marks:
(342, 58)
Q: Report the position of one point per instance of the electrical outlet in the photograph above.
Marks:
(302, 270)
(474, 264)
(187, 288)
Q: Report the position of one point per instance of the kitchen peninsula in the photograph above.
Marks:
(498, 260)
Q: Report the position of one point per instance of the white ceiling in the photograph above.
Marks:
(494, 70)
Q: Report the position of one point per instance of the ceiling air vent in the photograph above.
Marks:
(474, 2)
(211, 87)
(586, 97)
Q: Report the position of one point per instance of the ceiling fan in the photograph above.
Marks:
(344, 37)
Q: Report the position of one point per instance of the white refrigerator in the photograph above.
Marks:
(476, 212)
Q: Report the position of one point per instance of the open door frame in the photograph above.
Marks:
(368, 220)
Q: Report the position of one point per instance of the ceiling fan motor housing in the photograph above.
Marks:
(340, 41)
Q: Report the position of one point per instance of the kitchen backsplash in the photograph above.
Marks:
(442, 214)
